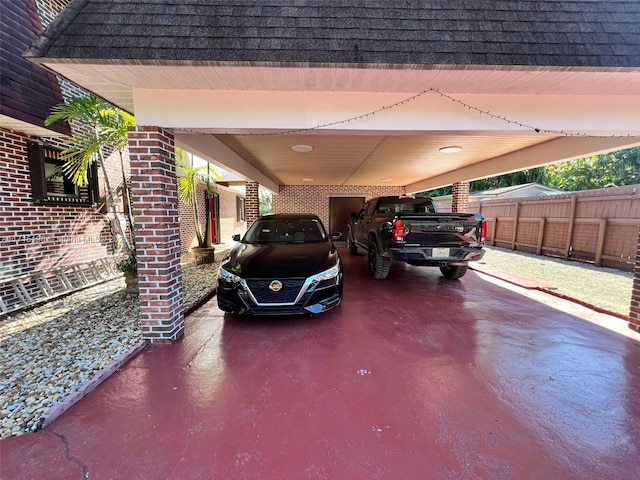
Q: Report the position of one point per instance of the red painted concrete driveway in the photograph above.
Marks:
(414, 377)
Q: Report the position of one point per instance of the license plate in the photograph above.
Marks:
(440, 252)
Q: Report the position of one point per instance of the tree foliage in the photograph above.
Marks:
(532, 175)
(599, 171)
(266, 202)
(189, 177)
(609, 170)
(99, 129)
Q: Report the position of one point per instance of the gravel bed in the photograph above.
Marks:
(605, 288)
(51, 351)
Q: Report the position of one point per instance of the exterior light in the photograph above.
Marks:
(302, 148)
(451, 149)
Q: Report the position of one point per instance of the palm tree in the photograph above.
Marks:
(100, 128)
(189, 177)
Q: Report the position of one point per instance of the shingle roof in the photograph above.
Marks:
(550, 33)
(27, 92)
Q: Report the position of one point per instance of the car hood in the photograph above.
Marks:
(281, 260)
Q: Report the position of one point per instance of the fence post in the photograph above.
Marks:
(543, 222)
(602, 226)
(515, 226)
(572, 219)
(494, 228)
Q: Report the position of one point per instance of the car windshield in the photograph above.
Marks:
(290, 230)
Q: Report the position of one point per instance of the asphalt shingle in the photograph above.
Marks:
(449, 32)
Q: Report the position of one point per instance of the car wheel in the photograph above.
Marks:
(352, 248)
(378, 265)
(451, 273)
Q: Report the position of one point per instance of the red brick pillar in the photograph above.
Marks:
(460, 200)
(157, 233)
(252, 202)
(634, 312)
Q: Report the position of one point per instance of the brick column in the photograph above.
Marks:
(634, 309)
(252, 202)
(460, 200)
(157, 233)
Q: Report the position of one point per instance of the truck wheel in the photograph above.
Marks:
(352, 248)
(451, 273)
(378, 265)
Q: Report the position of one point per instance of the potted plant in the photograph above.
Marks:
(129, 266)
(189, 178)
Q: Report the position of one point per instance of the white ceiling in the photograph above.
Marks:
(376, 125)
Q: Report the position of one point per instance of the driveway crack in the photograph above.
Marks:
(70, 458)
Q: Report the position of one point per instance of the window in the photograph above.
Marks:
(49, 185)
(240, 209)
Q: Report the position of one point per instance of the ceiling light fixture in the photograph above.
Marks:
(386, 179)
(307, 179)
(451, 149)
(302, 148)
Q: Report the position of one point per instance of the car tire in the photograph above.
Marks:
(352, 248)
(378, 265)
(453, 272)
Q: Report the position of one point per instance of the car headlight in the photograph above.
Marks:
(327, 274)
(227, 276)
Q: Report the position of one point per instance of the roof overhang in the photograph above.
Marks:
(373, 124)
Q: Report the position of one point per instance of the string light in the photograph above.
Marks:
(457, 101)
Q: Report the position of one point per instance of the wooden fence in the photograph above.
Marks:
(599, 226)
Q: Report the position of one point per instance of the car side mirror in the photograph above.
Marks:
(236, 237)
(336, 236)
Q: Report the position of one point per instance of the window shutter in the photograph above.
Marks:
(94, 193)
(36, 167)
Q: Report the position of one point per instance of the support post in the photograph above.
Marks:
(460, 200)
(157, 233)
(252, 202)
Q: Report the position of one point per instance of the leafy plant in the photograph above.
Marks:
(128, 264)
(189, 178)
(99, 127)
(266, 202)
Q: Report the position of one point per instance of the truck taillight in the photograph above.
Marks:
(484, 230)
(398, 231)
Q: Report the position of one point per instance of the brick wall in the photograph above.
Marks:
(36, 236)
(634, 311)
(315, 198)
(155, 206)
(228, 218)
(252, 202)
(460, 200)
(188, 236)
(230, 224)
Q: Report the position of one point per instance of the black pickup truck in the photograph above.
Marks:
(408, 229)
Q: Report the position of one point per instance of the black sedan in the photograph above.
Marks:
(285, 264)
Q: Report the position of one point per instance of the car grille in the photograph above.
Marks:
(288, 293)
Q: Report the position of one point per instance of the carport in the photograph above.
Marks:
(333, 100)
(412, 378)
